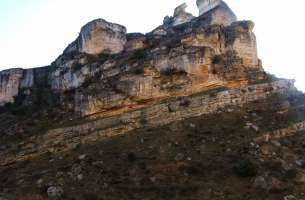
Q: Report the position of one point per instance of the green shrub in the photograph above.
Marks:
(171, 71)
(77, 67)
(103, 57)
(139, 54)
(218, 59)
(138, 70)
(42, 98)
(132, 157)
(245, 168)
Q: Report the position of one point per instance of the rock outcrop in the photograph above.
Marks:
(199, 52)
(99, 36)
(10, 81)
(180, 16)
(13, 81)
(206, 5)
(216, 11)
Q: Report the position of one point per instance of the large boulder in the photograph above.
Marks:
(206, 5)
(99, 36)
(180, 17)
(216, 12)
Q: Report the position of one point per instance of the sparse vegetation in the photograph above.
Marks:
(42, 98)
(218, 59)
(138, 70)
(132, 157)
(185, 102)
(138, 54)
(245, 168)
(104, 56)
(173, 71)
(77, 66)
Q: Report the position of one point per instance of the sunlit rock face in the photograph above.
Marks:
(99, 36)
(9, 84)
(216, 11)
(106, 68)
(244, 43)
(11, 81)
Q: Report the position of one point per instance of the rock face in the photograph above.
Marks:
(135, 41)
(206, 5)
(159, 114)
(216, 11)
(180, 16)
(245, 43)
(11, 81)
(100, 36)
(200, 52)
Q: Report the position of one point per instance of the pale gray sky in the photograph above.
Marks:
(34, 32)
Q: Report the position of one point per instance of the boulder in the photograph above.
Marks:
(55, 191)
(205, 6)
(99, 36)
(180, 17)
(215, 12)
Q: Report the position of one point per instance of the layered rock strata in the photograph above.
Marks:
(208, 55)
(158, 114)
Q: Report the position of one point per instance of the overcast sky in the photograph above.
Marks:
(34, 32)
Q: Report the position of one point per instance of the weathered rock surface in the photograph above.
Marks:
(216, 12)
(99, 36)
(10, 81)
(117, 122)
(13, 80)
(209, 55)
(206, 5)
(180, 17)
(135, 41)
(55, 192)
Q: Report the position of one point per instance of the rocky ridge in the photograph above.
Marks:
(109, 85)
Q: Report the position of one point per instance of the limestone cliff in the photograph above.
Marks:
(193, 85)
(210, 54)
